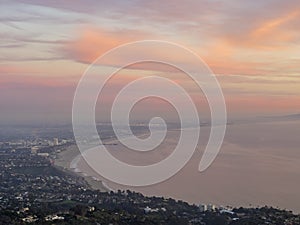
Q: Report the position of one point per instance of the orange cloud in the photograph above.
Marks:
(264, 47)
(93, 42)
(275, 30)
(222, 56)
(225, 54)
(270, 34)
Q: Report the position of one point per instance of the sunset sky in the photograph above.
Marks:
(253, 47)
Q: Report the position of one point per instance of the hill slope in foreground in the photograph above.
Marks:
(42, 194)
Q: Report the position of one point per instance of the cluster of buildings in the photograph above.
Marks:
(207, 207)
(33, 144)
(42, 142)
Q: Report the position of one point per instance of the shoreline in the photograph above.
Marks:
(246, 170)
(67, 160)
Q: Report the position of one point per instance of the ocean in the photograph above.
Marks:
(258, 164)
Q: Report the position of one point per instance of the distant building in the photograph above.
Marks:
(43, 154)
(202, 207)
(55, 141)
(149, 210)
(54, 217)
(63, 141)
(30, 219)
(34, 149)
(211, 207)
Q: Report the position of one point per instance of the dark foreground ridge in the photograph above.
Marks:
(33, 191)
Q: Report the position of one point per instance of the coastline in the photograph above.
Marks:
(245, 173)
(67, 160)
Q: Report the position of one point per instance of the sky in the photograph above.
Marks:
(253, 48)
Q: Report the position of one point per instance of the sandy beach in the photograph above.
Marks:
(66, 160)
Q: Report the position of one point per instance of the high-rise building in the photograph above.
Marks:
(55, 141)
